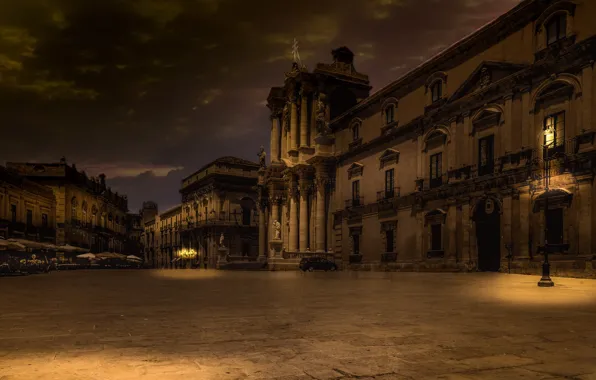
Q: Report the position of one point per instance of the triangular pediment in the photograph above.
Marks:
(355, 170)
(355, 166)
(485, 74)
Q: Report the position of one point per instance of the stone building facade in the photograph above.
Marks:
(220, 198)
(170, 223)
(27, 209)
(476, 160)
(134, 230)
(88, 214)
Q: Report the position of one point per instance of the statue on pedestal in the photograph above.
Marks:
(321, 117)
(276, 230)
(221, 240)
(262, 157)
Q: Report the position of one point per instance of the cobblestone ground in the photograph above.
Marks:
(262, 325)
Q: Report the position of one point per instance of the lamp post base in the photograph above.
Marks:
(545, 281)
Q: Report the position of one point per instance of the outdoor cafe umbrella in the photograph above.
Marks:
(133, 258)
(72, 249)
(110, 255)
(12, 245)
(29, 243)
(86, 256)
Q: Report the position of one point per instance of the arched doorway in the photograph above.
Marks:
(487, 217)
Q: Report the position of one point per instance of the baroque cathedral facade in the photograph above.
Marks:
(482, 158)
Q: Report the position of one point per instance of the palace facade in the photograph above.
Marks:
(220, 199)
(479, 159)
(88, 214)
(27, 209)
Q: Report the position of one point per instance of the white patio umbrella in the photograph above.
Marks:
(29, 243)
(110, 255)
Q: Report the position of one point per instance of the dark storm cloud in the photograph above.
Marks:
(139, 84)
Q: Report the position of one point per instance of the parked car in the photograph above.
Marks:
(317, 263)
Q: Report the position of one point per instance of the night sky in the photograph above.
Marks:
(147, 91)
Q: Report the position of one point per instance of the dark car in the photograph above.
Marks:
(317, 263)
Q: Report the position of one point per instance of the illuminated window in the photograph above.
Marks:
(556, 28)
(437, 91)
(554, 132)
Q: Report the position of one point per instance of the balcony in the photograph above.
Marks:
(387, 195)
(354, 202)
(435, 182)
(389, 257)
(222, 218)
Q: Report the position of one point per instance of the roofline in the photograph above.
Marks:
(413, 74)
(253, 164)
(171, 209)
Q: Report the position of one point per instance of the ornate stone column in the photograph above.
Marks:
(304, 142)
(293, 124)
(320, 228)
(285, 127)
(293, 225)
(275, 136)
(303, 236)
(262, 228)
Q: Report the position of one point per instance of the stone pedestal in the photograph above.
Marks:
(275, 248)
(222, 257)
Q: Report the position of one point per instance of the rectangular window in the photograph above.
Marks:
(356, 240)
(355, 132)
(436, 239)
(389, 183)
(13, 213)
(554, 133)
(486, 155)
(389, 114)
(356, 193)
(556, 29)
(29, 218)
(44, 220)
(389, 245)
(554, 226)
(437, 91)
(436, 179)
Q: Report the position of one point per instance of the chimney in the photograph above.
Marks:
(102, 180)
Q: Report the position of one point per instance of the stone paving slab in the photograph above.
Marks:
(165, 325)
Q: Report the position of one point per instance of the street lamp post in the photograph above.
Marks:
(545, 280)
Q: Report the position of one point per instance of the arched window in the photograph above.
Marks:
(436, 90)
(389, 114)
(556, 28)
(355, 131)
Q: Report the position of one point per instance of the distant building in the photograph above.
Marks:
(134, 229)
(169, 224)
(479, 159)
(220, 198)
(27, 209)
(88, 214)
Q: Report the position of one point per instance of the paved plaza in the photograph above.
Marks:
(206, 324)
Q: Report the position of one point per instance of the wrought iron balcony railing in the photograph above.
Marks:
(355, 202)
(388, 194)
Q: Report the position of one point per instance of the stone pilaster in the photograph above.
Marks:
(526, 132)
(293, 225)
(320, 229)
(304, 142)
(468, 137)
(465, 223)
(507, 219)
(453, 146)
(262, 231)
(587, 98)
(451, 232)
(293, 125)
(524, 225)
(275, 137)
(507, 131)
(303, 228)
(585, 218)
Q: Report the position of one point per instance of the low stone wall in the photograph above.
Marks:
(560, 267)
(281, 264)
